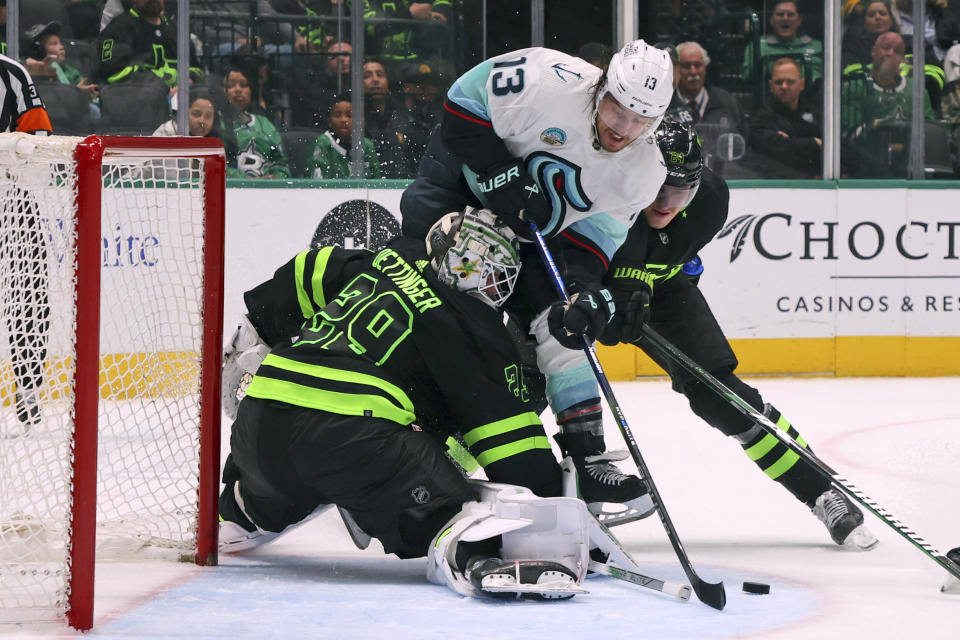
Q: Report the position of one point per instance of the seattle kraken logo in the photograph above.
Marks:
(560, 180)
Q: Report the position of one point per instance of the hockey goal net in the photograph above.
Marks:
(111, 264)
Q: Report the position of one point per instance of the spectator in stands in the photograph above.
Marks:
(47, 56)
(395, 136)
(84, 18)
(787, 131)
(595, 53)
(205, 121)
(139, 40)
(876, 108)
(950, 102)
(785, 39)
(424, 86)
(260, 152)
(941, 29)
(112, 9)
(714, 110)
(330, 155)
(3, 27)
(226, 36)
(318, 36)
(398, 42)
(858, 41)
(316, 82)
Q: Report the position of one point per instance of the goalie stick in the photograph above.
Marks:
(712, 594)
(674, 354)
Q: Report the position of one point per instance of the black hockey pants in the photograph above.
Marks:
(680, 313)
(396, 482)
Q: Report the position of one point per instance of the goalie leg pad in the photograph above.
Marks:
(543, 545)
(241, 359)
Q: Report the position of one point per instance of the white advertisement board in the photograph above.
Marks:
(790, 263)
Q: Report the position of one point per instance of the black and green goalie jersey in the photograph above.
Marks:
(376, 334)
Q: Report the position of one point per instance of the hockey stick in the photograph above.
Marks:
(673, 353)
(712, 594)
(678, 591)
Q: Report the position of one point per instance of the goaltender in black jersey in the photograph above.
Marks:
(393, 351)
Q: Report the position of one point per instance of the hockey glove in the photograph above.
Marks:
(585, 315)
(633, 311)
(511, 191)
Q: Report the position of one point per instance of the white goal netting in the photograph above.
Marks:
(151, 325)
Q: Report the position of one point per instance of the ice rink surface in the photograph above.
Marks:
(897, 439)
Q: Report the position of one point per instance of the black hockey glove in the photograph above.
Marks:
(586, 314)
(510, 190)
(633, 311)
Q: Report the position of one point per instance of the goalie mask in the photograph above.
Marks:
(475, 252)
(636, 92)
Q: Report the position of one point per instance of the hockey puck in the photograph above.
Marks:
(756, 588)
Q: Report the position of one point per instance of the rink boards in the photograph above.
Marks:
(857, 279)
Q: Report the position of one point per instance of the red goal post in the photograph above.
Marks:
(125, 391)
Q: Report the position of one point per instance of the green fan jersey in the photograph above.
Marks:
(260, 151)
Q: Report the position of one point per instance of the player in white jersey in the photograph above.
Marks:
(570, 145)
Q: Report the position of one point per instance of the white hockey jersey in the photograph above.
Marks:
(539, 101)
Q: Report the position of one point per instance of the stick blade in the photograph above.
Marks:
(710, 594)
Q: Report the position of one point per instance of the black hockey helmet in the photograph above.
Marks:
(680, 146)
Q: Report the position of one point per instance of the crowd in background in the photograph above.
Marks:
(272, 78)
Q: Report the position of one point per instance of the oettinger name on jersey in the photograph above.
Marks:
(369, 321)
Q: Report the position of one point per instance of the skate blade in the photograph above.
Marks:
(551, 584)
(860, 539)
(950, 585)
(612, 514)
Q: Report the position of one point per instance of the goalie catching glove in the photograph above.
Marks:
(586, 314)
(511, 191)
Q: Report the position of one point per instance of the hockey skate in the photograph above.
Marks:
(612, 496)
(27, 405)
(843, 520)
(237, 532)
(952, 584)
(527, 579)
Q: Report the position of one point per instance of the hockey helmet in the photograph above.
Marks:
(637, 90)
(475, 252)
(680, 146)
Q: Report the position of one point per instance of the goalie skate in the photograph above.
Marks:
(952, 584)
(612, 496)
(527, 579)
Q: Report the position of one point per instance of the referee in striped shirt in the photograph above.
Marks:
(23, 252)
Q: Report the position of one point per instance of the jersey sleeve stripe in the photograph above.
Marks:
(470, 90)
(500, 426)
(316, 281)
(462, 114)
(589, 247)
(299, 271)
